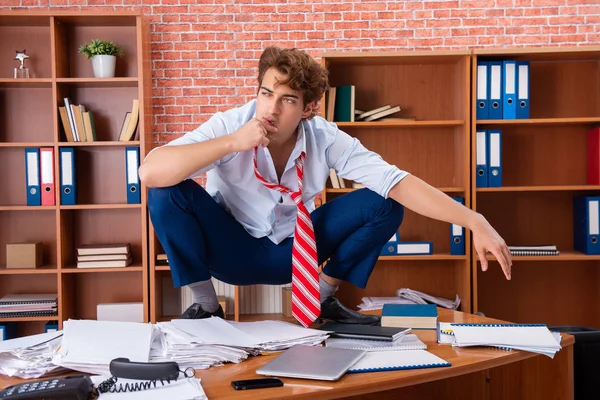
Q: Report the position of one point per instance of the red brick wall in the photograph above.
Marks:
(205, 51)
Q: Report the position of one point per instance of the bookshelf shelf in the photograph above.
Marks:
(443, 256)
(544, 166)
(26, 144)
(539, 188)
(107, 143)
(26, 83)
(100, 82)
(27, 208)
(101, 214)
(29, 319)
(101, 207)
(443, 189)
(563, 256)
(42, 270)
(400, 124)
(75, 270)
(541, 121)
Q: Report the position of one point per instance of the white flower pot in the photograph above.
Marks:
(104, 66)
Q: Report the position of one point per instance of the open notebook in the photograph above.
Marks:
(408, 342)
(376, 361)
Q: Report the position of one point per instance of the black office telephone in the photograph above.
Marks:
(80, 387)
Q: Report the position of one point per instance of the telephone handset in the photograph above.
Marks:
(149, 373)
(80, 387)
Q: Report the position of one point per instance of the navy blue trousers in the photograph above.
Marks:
(202, 240)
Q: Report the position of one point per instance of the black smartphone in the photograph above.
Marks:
(257, 383)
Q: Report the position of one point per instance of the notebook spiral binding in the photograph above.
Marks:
(415, 366)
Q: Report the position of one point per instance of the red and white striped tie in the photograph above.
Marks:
(306, 305)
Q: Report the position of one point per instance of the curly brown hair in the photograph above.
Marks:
(304, 73)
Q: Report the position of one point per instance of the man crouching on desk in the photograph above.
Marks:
(256, 222)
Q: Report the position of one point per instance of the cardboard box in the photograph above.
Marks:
(24, 255)
(286, 301)
(123, 312)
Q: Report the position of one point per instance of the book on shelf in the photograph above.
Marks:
(415, 316)
(77, 122)
(130, 122)
(104, 264)
(365, 114)
(540, 250)
(115, 255)
(381, 114)
(344, 103)
(109, 248)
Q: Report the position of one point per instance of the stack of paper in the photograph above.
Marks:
(183, 388)
(424, 298)
(89, 346)
(200, 343)
(280, 335)
(213, 341)
(533, 338)
(376, 303)
(30, 356)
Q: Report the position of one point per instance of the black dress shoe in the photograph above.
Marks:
(195, 311)
(333, 310)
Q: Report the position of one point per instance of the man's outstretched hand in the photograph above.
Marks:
(486, 239)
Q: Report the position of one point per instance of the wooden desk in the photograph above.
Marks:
(476, 373)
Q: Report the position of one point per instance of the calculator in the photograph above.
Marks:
(76, 387)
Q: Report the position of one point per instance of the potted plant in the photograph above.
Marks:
(103, 54)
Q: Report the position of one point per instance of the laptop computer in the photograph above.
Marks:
(312, 362)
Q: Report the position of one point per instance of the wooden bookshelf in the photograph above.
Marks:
(434, 88)
(544, 161)
(101, 214)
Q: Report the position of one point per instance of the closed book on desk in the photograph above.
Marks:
(369, 332)
(378, 361)
(416, 316)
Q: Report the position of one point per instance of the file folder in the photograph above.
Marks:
(495, 90)
(8, 331)
(482, 90)
(32, 170)
(522, 89)
(132, 155)
(481, 168)
(68, 192)
(408, 248)
(457, 235)
(47, 176)
(586, 224)
(509, 94)
(494, 158)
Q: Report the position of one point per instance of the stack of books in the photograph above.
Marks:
(414, 316)
(112, 255)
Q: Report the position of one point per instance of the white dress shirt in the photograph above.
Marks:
(265, 212)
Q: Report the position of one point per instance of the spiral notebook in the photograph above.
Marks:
(377, 361)
(527, 337)
(408, 342)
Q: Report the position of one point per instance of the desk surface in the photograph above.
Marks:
(216, 381)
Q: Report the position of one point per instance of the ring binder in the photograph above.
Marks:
(379, 361)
